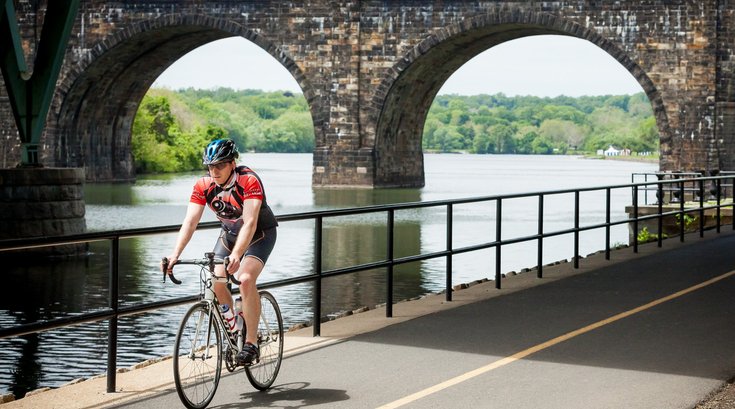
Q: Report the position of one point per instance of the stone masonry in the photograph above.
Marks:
(370, 70)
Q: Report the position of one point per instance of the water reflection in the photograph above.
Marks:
(109, 194)
(360, 239)
(365, 241)
(355, 197)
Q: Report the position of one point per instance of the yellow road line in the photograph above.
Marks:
(540, 347)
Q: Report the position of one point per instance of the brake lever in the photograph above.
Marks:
(170, 274)
(230, 277)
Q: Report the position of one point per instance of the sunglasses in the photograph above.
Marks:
(218, 166)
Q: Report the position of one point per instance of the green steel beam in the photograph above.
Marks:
(30, 96)
(12, 63)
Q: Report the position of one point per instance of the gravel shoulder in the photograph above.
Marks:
(722, 399)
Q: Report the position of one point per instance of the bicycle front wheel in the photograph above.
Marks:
(263, 373)
(197, 357)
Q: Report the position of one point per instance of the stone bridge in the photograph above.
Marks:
(371, 69)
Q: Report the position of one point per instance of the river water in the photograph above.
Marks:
(52, 289)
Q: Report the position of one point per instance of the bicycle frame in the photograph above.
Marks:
(214, 306)
(207, 280)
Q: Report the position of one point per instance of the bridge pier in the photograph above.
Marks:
(365, 168)
(41, 202)
(334, 167)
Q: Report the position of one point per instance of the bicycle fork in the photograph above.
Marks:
(194, 347)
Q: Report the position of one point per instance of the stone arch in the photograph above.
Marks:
(416, 78)
(95, 104)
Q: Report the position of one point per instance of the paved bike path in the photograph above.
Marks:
(661, 337)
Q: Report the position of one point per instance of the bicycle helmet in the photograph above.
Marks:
(220, 150)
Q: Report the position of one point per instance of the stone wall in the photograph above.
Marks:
(370, 70)
(41, 202)
(725, 98)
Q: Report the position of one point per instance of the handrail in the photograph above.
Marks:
(114, 311)
(675, 195)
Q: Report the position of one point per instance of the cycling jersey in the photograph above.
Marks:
(226, 201)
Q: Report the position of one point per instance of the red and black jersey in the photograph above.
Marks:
(226, 201)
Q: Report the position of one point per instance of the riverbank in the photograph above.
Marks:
(625, 158)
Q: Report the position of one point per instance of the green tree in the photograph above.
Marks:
(524, 139)
(562, 133)
(448, 139)
(647, 132)
(483, 143)
(158, 143)
(542, 146)
(502, 137)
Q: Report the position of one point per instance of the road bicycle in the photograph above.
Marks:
(203, 333)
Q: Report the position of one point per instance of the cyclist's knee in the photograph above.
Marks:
(247, 282)
(249, 272)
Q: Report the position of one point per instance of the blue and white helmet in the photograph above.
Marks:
(220, 150)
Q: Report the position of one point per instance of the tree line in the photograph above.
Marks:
(171, 127)
(536, 125)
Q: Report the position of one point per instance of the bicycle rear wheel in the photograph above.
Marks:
(197, 357)
(270, 342)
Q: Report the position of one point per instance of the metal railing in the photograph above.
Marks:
(115, 311)
(672, 194)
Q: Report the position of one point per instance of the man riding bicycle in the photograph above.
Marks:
(236, 195)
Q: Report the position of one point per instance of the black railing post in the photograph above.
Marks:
(318, 270)
(112, 323)
(719, 215)
(681, 212)
(576, 229)
(635, 219)
(607, 224)
(498, 240)
(448, 283)
(389, 278)
(540, 246)
(732, 203)
(660, 215)
(701, 207)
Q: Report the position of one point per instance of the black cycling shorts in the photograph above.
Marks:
(260, 247)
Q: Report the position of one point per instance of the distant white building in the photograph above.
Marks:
(612, 151)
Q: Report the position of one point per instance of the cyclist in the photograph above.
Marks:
(236, 195)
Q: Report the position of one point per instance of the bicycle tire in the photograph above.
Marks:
(197, 357)
(270, 342)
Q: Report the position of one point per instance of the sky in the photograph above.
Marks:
(545, 66)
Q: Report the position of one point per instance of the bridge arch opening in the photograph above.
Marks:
(95, 105)
(417, 79)
(229, 87)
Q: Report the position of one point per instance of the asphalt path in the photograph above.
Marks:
(654, 332)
